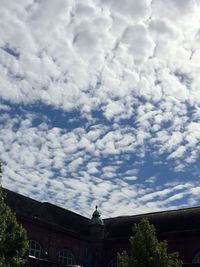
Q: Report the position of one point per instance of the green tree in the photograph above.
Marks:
(13, 239)
(146, 250)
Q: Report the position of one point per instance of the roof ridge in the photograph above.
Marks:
(45, 203)
(154, 213)
(64, 209)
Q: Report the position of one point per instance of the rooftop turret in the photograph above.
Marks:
(96, 218)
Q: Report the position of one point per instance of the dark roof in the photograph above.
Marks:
(45, 212)
(166, 221)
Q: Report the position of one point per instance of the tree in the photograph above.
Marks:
(13, 239)
(146, 250)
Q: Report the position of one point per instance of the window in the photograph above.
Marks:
(35, 249)
(113, 263)
(196, 258)
(66, 257)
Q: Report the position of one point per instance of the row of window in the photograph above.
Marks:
(64, 256)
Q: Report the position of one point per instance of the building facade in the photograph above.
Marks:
(59, 237)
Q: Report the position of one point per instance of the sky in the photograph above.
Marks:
(100, 103)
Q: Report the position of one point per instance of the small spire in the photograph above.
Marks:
(96, 217)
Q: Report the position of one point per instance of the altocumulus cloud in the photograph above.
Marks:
(100, 103)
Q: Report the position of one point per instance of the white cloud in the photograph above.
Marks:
(135, 63)
(4, 107)
(138, 41)
(174, 9)
(163, 27)
(136, 10)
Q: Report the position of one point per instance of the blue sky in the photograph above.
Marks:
(100, 103)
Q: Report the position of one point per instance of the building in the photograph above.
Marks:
(59, 237)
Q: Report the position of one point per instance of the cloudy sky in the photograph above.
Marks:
(100, 103)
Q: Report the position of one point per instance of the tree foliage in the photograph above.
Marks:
(13, 239)
(146, 250)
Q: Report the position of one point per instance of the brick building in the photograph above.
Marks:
(59, 237)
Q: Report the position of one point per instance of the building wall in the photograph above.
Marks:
(53, 240)
(43, 223)
(187, 243)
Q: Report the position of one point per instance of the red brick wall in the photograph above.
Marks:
(52, 240)
(186, 243)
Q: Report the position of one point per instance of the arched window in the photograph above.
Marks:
(35, 249)
(66, 257)
(112, 262)
(196, 258)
